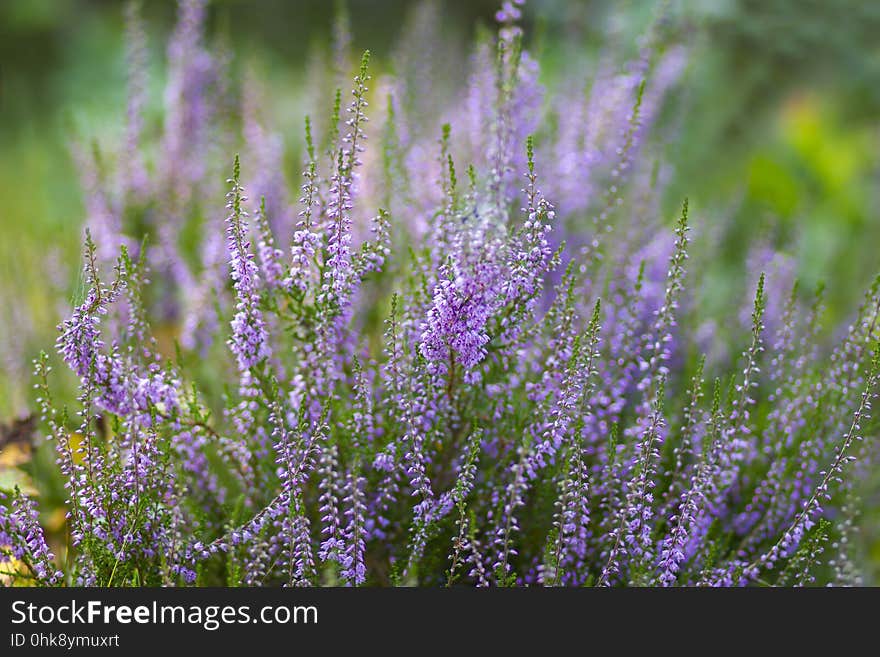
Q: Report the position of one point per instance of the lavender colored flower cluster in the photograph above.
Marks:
(471, 356)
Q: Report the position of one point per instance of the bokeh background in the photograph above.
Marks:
(775, 129)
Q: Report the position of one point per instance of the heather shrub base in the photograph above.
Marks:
(472, 356)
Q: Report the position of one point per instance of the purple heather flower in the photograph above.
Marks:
(22, 539)
(454, 334)
(249, 341)
(332, 547)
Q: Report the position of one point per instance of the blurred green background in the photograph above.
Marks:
(776, 133)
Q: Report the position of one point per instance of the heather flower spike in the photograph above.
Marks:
(249, 341)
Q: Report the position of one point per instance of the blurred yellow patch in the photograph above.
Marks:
(11, 476)
(77, 447)
(166, 336)
(9, 570)
(834, 154)
(56, 520)
(14, 455)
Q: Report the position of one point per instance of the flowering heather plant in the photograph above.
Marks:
(469, 357)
